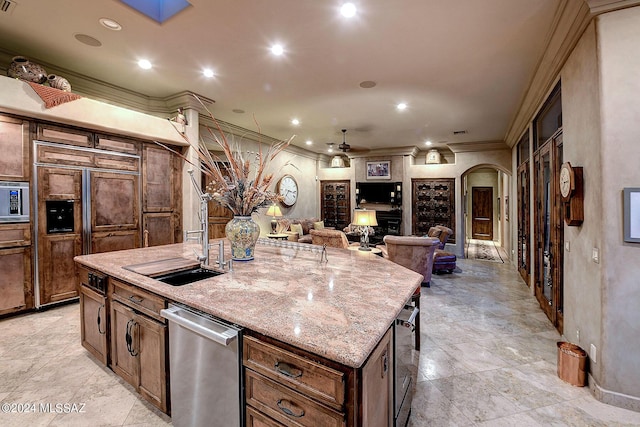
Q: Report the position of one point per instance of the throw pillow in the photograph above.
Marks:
(319, 225)
(296, 228)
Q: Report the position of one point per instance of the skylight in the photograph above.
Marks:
(158, 10)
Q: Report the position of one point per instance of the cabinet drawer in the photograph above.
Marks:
(120, 145)
(287, 406)
(118, 162)
(64, 156)
(137, 299)
(12, 235)
(256, 419)
(308, 377)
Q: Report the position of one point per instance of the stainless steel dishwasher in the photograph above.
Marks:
(206, 369)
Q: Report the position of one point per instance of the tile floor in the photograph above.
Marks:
(488, 359)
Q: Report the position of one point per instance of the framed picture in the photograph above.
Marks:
(379, 170)
(632, 215)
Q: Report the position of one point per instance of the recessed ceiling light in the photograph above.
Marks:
(295, 122)
(207, 72)
(145, 64)
(428, 143)
(348, 10)
(277, 49)
(110, 24)
(401, 106)
(309, 142)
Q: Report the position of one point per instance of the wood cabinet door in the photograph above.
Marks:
(16, 285)
(335, 203)
(115, 201)
(107, 241)
(377, 385)
(94, 323)
(152, 337)
(159, 228)
(56, 267)
(14, 146)
(124, 360)
(157, 179)
(65, 135)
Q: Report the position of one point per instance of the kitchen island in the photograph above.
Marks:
(336, 313)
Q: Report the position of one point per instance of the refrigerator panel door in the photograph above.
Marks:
(115, 201)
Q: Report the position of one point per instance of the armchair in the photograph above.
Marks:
(414, 253)
(332, 238)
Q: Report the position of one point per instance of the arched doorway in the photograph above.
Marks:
(485, 205)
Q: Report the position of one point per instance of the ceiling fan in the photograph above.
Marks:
(344, 146)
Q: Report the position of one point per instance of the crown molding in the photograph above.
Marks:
(466, 147)
(395, 151)
(603, 6)
(571, 19)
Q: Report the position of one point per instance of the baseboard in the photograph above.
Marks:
(613, 398)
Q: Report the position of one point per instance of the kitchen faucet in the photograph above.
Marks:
(202, 234)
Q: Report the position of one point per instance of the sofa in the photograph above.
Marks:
(298, 228)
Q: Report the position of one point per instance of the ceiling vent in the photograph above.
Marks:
(460, 132)
(7, 6)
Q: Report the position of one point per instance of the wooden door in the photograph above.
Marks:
(335, 203)
(14, 146)
(152, 337)
(15, 279)
(56, 251)
(159, 228)
(549, 227)
(93, 323)
(124, 345)
(157, 179)
(482, 213)
(377, 385)
(524, 251)
(115, 201)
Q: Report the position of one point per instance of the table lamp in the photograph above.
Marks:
(365, 218)
(274, 212)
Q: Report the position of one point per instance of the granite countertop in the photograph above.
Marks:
(338, 309)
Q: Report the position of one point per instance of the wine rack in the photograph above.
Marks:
(433, 202)
(335, 201)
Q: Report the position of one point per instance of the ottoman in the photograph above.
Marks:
(443, 261)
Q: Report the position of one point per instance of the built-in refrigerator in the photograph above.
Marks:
(88, 201)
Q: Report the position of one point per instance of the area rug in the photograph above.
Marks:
(485, 250)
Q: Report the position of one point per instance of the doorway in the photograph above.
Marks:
(482, 213)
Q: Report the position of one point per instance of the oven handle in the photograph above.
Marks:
(409, 323)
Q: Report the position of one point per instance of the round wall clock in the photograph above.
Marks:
(287, 187)
(567, 181)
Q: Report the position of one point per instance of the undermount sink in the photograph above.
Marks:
(185, 277)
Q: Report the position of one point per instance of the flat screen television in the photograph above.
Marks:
(375, 192)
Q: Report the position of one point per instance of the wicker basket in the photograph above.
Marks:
(572, 363)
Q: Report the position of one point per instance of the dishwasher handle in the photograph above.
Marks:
(180, 316)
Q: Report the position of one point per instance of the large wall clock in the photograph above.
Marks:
(287, 187)
(571, 190)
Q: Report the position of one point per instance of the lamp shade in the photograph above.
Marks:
(274, 211)
(337, 162)
(364, 217)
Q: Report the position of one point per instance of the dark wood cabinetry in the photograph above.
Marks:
(433, 202)
(138, 341)
(14, 146)
(161, 196)
(16, 284)
(94, 315)
(335, 203)
(285, 386)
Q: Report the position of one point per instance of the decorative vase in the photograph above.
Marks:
(23, 69)
(59, 82)
(243, 233)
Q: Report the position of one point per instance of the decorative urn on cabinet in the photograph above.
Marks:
(23, 69)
